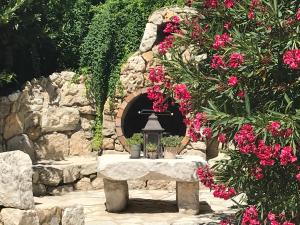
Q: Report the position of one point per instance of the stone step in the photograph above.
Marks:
(58, 177)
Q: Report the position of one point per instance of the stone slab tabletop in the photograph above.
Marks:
(121, 167)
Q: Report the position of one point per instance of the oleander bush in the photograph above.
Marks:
(234, 69)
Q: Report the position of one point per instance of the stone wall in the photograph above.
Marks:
(49, 119)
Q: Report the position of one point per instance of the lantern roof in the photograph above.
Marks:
(153, 124)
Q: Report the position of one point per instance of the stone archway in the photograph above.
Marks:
(129, 121)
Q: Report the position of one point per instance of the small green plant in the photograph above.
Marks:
(136, 139)
(97, 135)
(6, 77)
(151, 147)
(171, 141)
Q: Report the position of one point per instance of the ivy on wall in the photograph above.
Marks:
(115, 32)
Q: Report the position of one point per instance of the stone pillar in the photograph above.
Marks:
(187, 197)
(116, 194)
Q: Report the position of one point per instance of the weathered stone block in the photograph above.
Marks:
(79, 144)
(116, 194)
(73, 215)
(50, 216)
(60, 119)
(108, 144)
(16, 180)
(48, 175)
(84, 184)
(19, 217)
(187, 197)
(73, 94)
(4, 107)
(23, 143)
(13, 125)
(149, 37)
(53, 146)
(39, 189)
(121, 167)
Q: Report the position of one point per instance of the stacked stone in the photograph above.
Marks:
(77, 173)
(49, 119)
(16, 197)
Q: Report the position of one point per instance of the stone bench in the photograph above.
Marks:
(116, 170)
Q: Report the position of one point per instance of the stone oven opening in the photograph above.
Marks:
(133, 122)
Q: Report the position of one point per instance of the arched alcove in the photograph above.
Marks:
(134, 122)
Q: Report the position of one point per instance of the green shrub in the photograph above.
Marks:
(136, 139)
(171, 141)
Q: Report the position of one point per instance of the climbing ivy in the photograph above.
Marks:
(115, 32)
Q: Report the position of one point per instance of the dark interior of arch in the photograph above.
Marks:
(133, 122)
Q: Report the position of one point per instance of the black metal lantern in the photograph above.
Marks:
(152, 136)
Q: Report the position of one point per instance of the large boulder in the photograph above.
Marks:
(23, 143)
(16, 180)
(60, 119)
(19, 217)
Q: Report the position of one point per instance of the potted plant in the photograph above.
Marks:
(152, 150)
(134, 144)
(171, 146)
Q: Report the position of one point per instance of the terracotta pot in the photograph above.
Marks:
(135, 151)
(152, 155)
(170, 152)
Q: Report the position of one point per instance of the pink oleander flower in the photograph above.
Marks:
(181, 92)
(229, 3)
(298, 177)
(271, 216)
(245, 139)
(287, 156)
(206, 176)
(207, 132)
(288, 223)
(227, 25)
(222, 138)
(221, 40)
(298, 15)
(232, 81)
(157, 74)
(175, 19)
(257, 173)
(220, 191)
(250, 216)
(217, 62)
(235, 60)
(273, 127)
(292, 58)
(251, 15)
(166, 44)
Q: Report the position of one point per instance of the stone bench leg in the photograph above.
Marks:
(116, 194)
(187, 197)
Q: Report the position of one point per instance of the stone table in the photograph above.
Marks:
(116, 169)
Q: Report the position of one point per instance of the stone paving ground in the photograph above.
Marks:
(146, 207)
